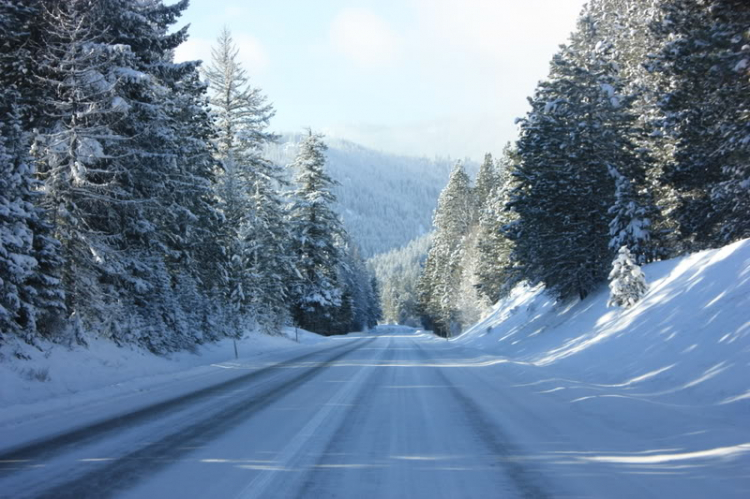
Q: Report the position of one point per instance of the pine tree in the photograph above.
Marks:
(315, 229)
(630, 225)
(254, 232)
(168, 130)
(702, 72)
(122, 150)
(580, 124)
(628, 25)
(440, 281)
(374, 309)
(487, 179)
(627, 282)
(80, 158)
(494, 273)
(31, 299)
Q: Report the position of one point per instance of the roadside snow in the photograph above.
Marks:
(687, 341)
(674, 369)
(57, 378)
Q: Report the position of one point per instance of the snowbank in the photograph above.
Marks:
(686, 343)
(59, 377)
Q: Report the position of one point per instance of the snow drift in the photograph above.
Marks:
(686, 342)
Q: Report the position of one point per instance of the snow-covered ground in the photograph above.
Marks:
(686, 342)
(540, 399)
(102, 374)
(674, 368)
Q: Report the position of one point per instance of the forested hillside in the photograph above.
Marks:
(397, 272)
(385, 200)
(137, 203)
(636, 148)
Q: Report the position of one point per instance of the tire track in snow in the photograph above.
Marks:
(127, 470)
(52, 446)
(351, 421)
(496, 440)
(290, 456)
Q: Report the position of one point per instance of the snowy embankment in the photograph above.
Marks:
(104, 374)
(686, 344)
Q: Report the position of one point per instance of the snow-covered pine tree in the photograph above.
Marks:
(315, 228)
(487, 179)
(267, 264)
(357, 283)
(31, 299)
(126, 177)
(167, 128)
(628, 25)
(702, 67)
(80, 158)
(627, 283)
(190, 219)
(349, 316)
(374, 309)
(469, 303)
(579, 124)
(254, 232)
(494, 272)
(441, 279)
(630, 223)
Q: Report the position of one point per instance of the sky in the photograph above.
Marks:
(427, 78)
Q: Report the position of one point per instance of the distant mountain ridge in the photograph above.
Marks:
(386, 200)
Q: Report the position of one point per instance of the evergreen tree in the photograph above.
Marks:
(627, 282)
(494, 273)
(80, 158)
(579, 126)
(172, 167)
(702, 73)
(628, 26)
(254, 232)
(123, 155)
(31, 299)
(440, 281)
(487, 179)
(630, 225)
(374, 309)
(315, 229)
(30, 295)
(355, 281)
(469, 303)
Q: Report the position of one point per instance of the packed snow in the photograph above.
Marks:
(686, 342)
(674, 368)
(540, 399)
(52, 377)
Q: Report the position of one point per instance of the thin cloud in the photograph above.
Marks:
(364, 37)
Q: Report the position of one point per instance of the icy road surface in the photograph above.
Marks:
(391, 414)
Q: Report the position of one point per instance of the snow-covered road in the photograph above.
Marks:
(396, 413)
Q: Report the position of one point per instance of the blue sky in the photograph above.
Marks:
(418, 77)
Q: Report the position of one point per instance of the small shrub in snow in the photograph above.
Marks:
(626, 280)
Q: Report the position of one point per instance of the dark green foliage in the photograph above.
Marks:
(702, 69)
(579, 127)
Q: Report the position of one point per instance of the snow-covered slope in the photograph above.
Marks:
(52, 375)
(386, 200)
(687, 342)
